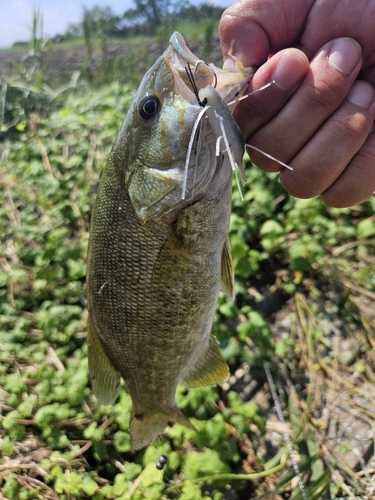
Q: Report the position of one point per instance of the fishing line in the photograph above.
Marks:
(229, 151)
(238, 99)
(190, 147)
(249, 145)
(197, 152)
(217, 148)
(269, 156)
(280, 415)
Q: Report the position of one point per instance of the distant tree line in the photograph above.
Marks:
(146, 17)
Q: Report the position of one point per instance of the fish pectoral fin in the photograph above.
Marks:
(227, 271)
(211, 368)
(143, 427)
(105, 379)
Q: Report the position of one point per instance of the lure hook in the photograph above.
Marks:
(194, 86)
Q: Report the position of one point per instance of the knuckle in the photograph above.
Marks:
(300, 185)
(327, 98)
(335, 200)
(354, 125)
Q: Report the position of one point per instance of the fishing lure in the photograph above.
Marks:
(224, 127)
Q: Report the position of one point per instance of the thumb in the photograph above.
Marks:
(253, 29)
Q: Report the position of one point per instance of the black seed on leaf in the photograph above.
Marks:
(163, 459)
(159, 466)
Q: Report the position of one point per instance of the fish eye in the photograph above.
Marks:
(148, 106)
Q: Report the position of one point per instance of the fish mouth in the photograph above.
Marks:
(180, 60)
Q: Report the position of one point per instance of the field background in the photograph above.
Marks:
(305, 280)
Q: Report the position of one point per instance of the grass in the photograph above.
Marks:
(126, 61)
(305, 279)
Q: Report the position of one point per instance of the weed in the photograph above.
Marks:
(305, 279)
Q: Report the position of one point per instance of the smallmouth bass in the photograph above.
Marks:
(156, 258)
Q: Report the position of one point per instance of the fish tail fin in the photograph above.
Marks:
(143, 427)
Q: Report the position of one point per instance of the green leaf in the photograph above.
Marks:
(121, 441)
(9, 420)
(121, 485)
(198, 464)
(271, 227)
(238, 247)
(10, 488)
(366, 228)
(21, 126)
(89, 486)
(191, 491)
(248, 410)
(69, 483)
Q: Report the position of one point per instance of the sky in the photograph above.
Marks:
(16, 15)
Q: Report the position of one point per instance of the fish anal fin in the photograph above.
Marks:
(227, 271)
(105, 379)
(144, 427)
(211, 368)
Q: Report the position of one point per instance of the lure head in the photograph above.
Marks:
(150, 151)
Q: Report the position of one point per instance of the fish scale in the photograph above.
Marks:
(156, 262)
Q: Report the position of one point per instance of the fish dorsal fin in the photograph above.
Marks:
(143, 427)
(227, 271)
(105, 379)
(211, 368)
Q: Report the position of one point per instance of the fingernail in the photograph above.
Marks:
(289, 71)
(361, 94)
(344, 55)
(229, 63)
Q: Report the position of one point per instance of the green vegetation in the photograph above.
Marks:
(305, 278)
(147, 17)
(116, 48)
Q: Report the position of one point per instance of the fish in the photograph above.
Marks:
(158, 252)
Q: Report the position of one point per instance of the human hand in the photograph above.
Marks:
(319, 115)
